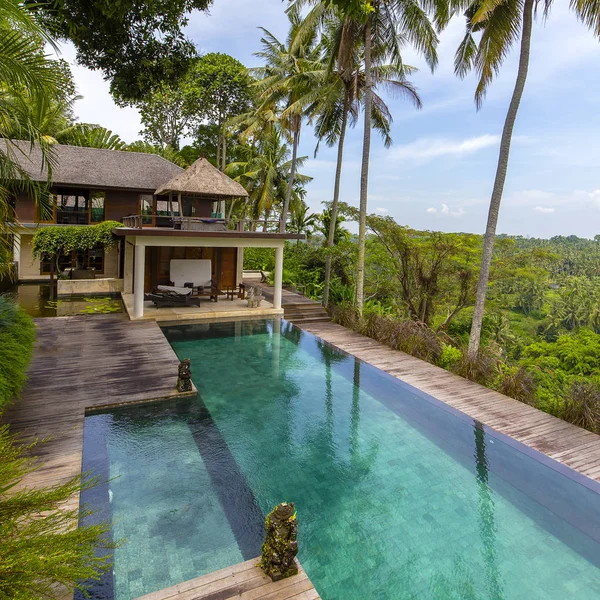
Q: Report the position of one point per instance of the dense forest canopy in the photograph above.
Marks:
(138, 46)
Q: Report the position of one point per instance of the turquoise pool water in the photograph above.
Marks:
(398, 496)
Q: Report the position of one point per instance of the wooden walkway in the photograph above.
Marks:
(244, 581)
(82, 362)
(562, 441)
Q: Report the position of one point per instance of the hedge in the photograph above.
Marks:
(17, 336)
(51, 241)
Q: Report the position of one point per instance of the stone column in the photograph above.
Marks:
(138, 284)
(278, 278)
(128, 267)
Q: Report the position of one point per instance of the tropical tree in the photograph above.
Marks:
(264, 172)
(501, 26)
(219, 90)
(165, 151)
(302, 220)
(23, 66)
(335, 102)
(388, 27)
(327, 225)
(91, 136)
(138, 46)
(167, 114)
(283, 82)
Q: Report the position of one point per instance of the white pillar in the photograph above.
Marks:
(278, 278)
(138, 284)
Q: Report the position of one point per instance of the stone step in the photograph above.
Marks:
(302, 315)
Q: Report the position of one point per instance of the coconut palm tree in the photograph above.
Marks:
(283, 81)
(264, 172)
(335, 103)
(91, 136)
(23, 66)
(389, 26)
(302, 221)
(501, 25)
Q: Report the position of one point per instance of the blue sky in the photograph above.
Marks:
(439, 172)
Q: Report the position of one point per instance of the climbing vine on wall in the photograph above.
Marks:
(52, 241)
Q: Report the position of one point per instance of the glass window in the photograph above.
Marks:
(72, 209)
(98, 201)
(147, 202)
(96, 259)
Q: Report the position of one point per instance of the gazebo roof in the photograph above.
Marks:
(202, 179)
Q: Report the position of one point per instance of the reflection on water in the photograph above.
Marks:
(37, 302)
(487, 518)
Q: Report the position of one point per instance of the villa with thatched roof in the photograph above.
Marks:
(169, 214)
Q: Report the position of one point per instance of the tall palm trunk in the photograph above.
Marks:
(290, 186)
(364, 175)
(223, 150)
(336, 199)
(490, 231)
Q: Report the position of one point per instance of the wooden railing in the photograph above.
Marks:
(202, 223)
(133, 221)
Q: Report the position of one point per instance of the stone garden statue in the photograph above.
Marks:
(254, 296)
(184, 376)
(279, 551)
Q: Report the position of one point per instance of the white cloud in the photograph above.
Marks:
(381, 211)
(595, 196)
(445, 210)
(428, 148)
(544, 209)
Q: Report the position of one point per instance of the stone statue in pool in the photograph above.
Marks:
(281, 545)
(184, 376)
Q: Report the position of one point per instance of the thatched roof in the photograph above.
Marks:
(93, 167)
(202, 179)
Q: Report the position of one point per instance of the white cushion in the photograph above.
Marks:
(195, 271)
(182, 291)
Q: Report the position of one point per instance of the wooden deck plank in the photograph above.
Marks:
(575, 447)
(244, 581)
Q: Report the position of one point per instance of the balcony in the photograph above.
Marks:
(198, 223)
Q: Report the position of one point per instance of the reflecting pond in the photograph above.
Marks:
(36, 300)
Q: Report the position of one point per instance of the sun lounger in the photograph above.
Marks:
(167, 295)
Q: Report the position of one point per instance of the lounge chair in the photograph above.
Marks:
(166, 295)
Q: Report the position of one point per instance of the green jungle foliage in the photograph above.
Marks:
(541, 331)
(17, 336)
(51, 241)
(42, 550)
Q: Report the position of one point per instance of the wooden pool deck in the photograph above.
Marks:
(244, 581)
(566, 443)
(83, 362)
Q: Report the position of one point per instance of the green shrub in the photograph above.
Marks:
(52, 241)
(516, 383)
(450, 357)
(259, 259)
(411, 337)
(42, 549)
(17, 336)
(581, 406)
(574, 353)
(346, 316)
(483, 369)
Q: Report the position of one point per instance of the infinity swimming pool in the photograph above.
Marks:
(398, 495)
